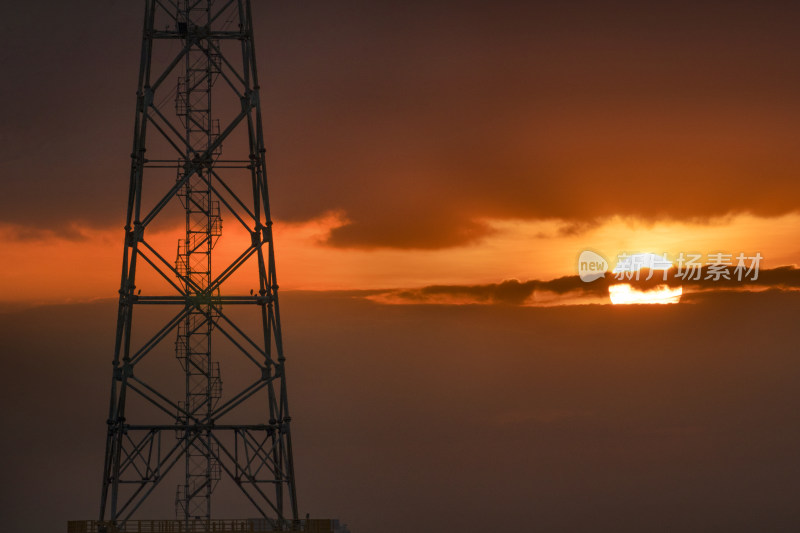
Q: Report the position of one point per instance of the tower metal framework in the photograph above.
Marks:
(197, 90)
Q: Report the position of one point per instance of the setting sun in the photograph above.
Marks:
(624, 293)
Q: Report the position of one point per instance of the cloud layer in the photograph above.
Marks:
(421, 120)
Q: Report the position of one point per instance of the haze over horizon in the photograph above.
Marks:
(567, 419)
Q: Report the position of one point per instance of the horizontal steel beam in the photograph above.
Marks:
(199, 300)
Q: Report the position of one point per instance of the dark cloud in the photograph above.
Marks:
(70, 232)
(515, 292)
(421, 119)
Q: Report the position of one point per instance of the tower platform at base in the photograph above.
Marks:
(249, 525)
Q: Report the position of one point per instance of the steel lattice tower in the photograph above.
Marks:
(198, 89)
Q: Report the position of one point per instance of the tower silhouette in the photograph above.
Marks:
(197, 91)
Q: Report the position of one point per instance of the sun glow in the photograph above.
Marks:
(623, 293)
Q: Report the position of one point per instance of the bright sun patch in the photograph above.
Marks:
(624, 293)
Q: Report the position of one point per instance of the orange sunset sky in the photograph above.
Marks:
(513, 249)
(433, 145)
